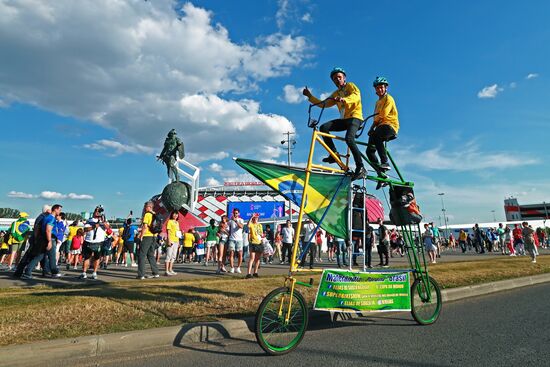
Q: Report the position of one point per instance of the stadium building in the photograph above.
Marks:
(515, 211)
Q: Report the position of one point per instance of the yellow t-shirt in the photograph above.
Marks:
(147, 219)
(351, 107)
(120, 232)
(72, 232)
(387, 113)
(188, 239)
(172, 228)
(256, 232)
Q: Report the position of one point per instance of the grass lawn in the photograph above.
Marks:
(41, 313)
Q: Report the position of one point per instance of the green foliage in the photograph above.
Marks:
(9, 213)
(73, 216)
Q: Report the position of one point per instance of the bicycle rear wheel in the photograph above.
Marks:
(425, 309)
(275, 335)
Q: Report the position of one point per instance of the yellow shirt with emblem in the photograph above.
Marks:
(172, 228)
(72, 232)
(386, 112)
(188, 239)
(147, 219)
(351, 107)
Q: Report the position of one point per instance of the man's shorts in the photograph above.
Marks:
(210, 244)
(129, 246)
(235, 245)
(14, 247)
(91, 250)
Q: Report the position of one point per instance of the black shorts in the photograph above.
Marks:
(188, 251)
(256, 248)
(91, 250)
(129, 246)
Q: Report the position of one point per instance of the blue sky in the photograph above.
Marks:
(88, 92)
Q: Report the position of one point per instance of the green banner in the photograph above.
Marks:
(348, 291)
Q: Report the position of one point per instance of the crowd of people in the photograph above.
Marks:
(94, 244)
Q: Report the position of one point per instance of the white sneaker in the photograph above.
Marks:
(94, 275)
(134, 265)
(167, 274)
(232, 270)
(83, 276)
(534, 261)
(173, 273)
(239, 270)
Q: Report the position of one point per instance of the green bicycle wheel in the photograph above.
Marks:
(425, 310)
(275, 335)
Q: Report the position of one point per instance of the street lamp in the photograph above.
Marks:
(290, 143)
(444, 215)
(494, 218)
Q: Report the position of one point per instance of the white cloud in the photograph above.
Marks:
(116, 148)
(282, 13)
(468, 158)
(324, 96)
(20, 195)
(513, 85)
(532, 76)
(52, 195)
(74, 196)
(307, 18)
(489, 92)
(151, 73)
(215, 167)
(293, 94)
(212, 182)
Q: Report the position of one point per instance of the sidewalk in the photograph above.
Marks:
(190, 271)
(74, 349)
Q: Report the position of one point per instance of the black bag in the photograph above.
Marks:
(127, 233)
(404, 209)
(156, 225)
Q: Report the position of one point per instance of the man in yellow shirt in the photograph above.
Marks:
(147, 243)
(348, 100)
(385, 125)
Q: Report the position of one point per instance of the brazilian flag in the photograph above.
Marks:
(289, 182)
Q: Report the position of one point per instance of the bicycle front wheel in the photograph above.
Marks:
(278, 331)
(425, 301)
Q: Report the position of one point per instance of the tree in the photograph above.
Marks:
(73, 216)
(9, 213)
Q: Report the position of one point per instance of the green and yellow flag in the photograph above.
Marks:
(289, 182)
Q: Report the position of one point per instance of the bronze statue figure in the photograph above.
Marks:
(173, 148)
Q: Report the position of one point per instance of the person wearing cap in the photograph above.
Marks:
(94, 237)
(309, 244)
(18, 233)
(385, 125)
(347, 98)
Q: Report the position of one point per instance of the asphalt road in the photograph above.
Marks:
(505, 329)
(189, 271)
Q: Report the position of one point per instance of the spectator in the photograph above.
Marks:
(478, 243)
(223, 235)
(462, 240)
(429, 245)
(147, 243)
(341, 251)
(72, 229)
(501, 241)
(436, 238)
(107, 246)
(76, 248)
(94, 237)
(529, 241)
(236, 225)
(172, 242)
(211, 241)
(370, 240)
(287, 234)
(309, 245)
(37, 247)
(517, 233)
(129, 236)
(255, 234)
(278, 244)
(18, 233)
(383, 244)
(188, 242)
(269, 238)
(331, 247)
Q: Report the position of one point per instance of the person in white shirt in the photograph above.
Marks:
(287, 234)
(94, 236)
(235, 243)
(309, 242)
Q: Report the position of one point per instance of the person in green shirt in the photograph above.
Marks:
(211, 242)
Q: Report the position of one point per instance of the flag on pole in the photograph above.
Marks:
(289, 182)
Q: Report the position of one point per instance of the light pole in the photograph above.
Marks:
(290, 142)
(494, 218)
(444, 215)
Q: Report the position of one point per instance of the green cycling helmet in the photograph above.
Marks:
(380, 80)
(337, 70)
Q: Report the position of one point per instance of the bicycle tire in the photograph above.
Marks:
(274, 335)
(423, 311)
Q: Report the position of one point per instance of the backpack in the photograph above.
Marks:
(156, 225)
(127, 233)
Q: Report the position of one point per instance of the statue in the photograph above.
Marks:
(173, 149)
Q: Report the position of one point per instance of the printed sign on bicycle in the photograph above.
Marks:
(348, 291)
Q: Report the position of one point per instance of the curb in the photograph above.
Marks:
(133, 341)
